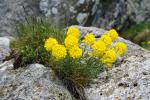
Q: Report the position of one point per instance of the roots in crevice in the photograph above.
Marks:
(76, 91)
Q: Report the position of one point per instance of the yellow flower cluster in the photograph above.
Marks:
(49, 43)
(109, 58)
(109, 37)
(148, 42)
(59, 51)
(73, 32)
(106, 39)
(71, 45)
(75, 52)
(120, 48)
(100, 49)
(71, 41)
(113, 34)
(89, 39)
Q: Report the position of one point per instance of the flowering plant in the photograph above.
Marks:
(77, 64)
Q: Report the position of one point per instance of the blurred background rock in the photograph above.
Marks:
(130, 17)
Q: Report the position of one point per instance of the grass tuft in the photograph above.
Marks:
(29, 41)
(139, 33)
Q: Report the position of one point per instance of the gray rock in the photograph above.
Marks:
(104, 14)
(84, 30)
(4, 48)
(34, 82)
(99, 13)
(82, 18)
(129, 80)
(13, 11)
(44, 6)
(54, 10)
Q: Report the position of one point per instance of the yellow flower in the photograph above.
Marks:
(59, 52)
(148, 42)
(73, 31)
(109, 58)
(113, 34)
(120, 48)
(75, 52)
(49, 43)
(99, 48)
(89, 39)
(106, 39)
(71, 41)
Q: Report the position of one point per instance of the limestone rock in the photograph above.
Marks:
(100, 13)
(130, 80)
(34, 82)
(4, 47)
(13, 11)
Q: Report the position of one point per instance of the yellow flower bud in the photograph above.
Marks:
(49, 43)
(99, 48)
(109, 58)
(113, 34)
(89, 39)
(75, 52)
(106, 39)
(59, 51)
(71, 41)
(120, 48)
(73, 31)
